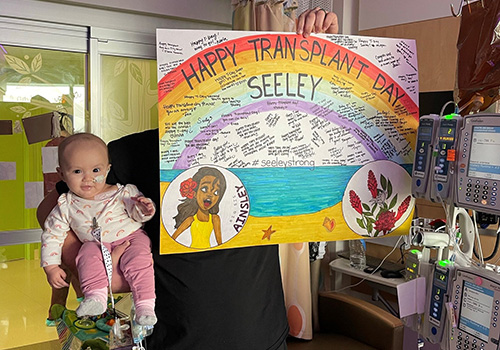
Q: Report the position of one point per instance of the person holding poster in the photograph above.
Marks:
(230, 299)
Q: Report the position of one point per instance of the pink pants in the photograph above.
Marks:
(136, 265)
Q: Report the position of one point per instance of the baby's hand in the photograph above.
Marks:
(56, 276)
(145, 205)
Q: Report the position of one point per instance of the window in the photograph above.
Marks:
(42, 69)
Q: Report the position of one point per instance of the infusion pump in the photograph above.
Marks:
(457, 161)
(478, 166)
(435, 155)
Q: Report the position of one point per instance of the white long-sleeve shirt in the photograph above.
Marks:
(115, 211)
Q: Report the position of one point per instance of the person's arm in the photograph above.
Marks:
(145, 205)
(71, 244)
(46, 206)
(53, 238)
(56, 276)
(317, 20)
(69, 251)
(138, 207)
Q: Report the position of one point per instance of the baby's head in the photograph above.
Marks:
(84, 164)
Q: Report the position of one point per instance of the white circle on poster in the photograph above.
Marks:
(377, 199)
(201, 192)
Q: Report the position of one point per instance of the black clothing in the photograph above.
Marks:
(216, 300)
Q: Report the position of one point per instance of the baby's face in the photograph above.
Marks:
(84, 168)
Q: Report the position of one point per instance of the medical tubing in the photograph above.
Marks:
(476, 235)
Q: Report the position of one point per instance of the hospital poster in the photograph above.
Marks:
(270, 138)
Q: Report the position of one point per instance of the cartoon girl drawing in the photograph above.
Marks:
(199, 211)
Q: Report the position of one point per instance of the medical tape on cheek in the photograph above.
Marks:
(100, 178)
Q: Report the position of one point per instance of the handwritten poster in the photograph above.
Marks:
(271, 138)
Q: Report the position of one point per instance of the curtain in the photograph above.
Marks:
(270, 15)
(296, 277)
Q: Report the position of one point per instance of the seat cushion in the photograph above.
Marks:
(327, 341)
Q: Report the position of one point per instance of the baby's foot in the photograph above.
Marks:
(145, 316)
(90, 307)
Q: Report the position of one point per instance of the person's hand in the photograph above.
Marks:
(317, 20)
(56, 276)
(145, 205)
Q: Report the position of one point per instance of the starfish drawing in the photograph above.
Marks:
(268, 233)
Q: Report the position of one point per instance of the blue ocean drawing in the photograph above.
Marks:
(290, 191)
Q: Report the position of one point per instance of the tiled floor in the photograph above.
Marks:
(24, 301)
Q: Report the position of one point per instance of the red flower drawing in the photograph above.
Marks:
(379, 215)
(403, 207)
(372, 184)
(385, 222)
(187, 188)
(355, 201)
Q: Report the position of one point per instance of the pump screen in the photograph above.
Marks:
(475, 312)
(446, 133)
(440, 276)
(485, 147)
(425, 133)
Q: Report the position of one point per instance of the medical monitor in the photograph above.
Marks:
(476, 310)
(478, 168)
(475, 297)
